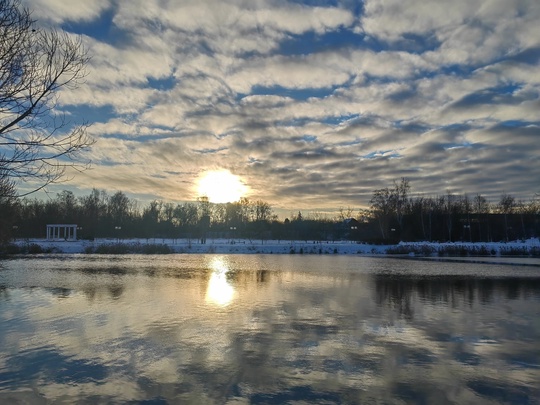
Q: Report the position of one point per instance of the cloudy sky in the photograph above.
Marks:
(314, 104)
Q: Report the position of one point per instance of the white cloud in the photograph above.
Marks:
(59, 11)
(468, 31)
(231, 26)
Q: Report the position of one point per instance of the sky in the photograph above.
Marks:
(313, 104)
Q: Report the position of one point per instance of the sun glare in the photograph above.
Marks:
(219, 292)
(221, 186)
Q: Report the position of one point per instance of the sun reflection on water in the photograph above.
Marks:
(220, 291)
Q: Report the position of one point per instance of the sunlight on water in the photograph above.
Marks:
(219, 292)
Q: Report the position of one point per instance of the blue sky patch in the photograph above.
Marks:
(162, 84)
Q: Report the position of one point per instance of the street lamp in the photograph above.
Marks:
(117, 228)
(468, 226)
(353, 229)
(232, 229)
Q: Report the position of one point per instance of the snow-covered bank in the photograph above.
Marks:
(244, 246)
(222, 246)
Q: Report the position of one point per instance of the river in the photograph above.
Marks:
(267, 329)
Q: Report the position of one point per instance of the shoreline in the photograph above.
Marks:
(530, 247)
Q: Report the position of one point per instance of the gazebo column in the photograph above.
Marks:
(61, 231)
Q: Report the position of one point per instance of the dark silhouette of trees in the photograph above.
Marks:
(150, 219)
(8, 208)
(118, 208)
(481, 210)
(393, 216)
(204, 219)
(399, 201)
(93, 212)
(449, 217)
(506, 206)
(67, 207)
(186, 216)
(37, 144)
(388, 203)
(381, 208)
(262, 211)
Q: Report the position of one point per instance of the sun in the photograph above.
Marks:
(221, 186)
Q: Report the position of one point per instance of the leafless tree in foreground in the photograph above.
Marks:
(37, 144)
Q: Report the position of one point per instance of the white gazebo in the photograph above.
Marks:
(62, 232)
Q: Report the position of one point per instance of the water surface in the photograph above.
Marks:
(267, 329)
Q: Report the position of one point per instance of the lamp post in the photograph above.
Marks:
(354, 228)
(118, 229)
(232, 229)
(468, 226)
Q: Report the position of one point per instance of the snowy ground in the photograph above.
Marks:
(245, 246)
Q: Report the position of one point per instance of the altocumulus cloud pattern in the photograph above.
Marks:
(313, 103)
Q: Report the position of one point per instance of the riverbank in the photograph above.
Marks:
(530, 247)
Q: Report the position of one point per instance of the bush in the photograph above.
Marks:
(417, 250)
(482, 251)
(112, 248)
(34, 248)
(124, 248)
(514, 251)
(453, 251)
(153, 249)
(10, 249)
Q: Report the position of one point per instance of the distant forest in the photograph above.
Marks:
(392, 216)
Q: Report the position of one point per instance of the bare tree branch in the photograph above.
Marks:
(37, 144)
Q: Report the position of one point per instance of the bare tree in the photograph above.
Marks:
(7, 206)
(506, 206)
(36, 143)
(482, 208)
(399, 199)
(345, 213)
(388, 202)
(262, 210)
(381, 207)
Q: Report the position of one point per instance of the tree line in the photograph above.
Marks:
(393, 215)
(101, 215)
(452, 217)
